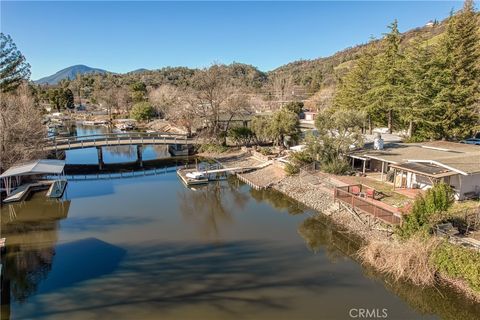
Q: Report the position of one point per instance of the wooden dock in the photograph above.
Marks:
(214, 174)
(182, 173)
(22, 191)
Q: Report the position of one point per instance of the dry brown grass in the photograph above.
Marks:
(408, 260)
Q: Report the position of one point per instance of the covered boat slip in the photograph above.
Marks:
(21, 179)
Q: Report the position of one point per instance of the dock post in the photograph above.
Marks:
(100, 158)
(139, 155)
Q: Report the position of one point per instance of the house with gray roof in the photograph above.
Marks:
(421, 165)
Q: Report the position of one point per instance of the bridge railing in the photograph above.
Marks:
(52, 141)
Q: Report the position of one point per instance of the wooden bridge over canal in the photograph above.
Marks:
(117, 139)
(180, 143)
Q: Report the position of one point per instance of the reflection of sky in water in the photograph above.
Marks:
(112, 154)
(148, 247)
(116, 154)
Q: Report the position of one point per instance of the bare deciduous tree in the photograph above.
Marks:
(164, 98)
(21, 129)
(282, 88)
(213, 89)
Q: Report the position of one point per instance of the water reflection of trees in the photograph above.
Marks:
(277, 200)
(212, 205)
(319, 233)
(31, 232)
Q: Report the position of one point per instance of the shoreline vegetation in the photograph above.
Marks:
(410, 260)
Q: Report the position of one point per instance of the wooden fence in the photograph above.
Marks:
(345, 196)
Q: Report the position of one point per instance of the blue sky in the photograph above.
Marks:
(123, 36)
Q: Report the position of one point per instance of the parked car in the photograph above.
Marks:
(475, 140)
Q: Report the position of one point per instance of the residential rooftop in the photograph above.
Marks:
(463, 158)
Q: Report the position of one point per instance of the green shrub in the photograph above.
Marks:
(142, 111)
(266, 151)
(301, 157)
(435, 202)
(241, 135)
(337, 167)
(212, 148)
(458, 262)
(291, 169)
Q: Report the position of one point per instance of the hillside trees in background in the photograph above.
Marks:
(13, 67)
(429, 89)
(139, 92)
(60, 98)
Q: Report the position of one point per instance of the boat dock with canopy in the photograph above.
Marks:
(34, 172)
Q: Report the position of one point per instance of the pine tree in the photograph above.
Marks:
(13, 67)
(354, 88)
(388, 89)
(420, 75)
(459, 81)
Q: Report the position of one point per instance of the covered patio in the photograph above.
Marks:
(419, 175)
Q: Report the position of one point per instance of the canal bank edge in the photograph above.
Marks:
(320, 198)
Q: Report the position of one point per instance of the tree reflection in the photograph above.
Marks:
(206, 206)
(318, 232)
(277, 200)
(30, 229)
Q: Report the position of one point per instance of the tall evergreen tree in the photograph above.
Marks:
(459, 81)
(388, 87)
(13, 66)
(420, 75)
(354, 89)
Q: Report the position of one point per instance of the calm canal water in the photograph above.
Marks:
(150, 248)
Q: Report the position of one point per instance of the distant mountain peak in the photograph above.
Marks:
(68, 73)
(141, 70)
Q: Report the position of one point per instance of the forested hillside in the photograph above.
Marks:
(390, 73)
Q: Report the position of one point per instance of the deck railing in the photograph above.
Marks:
(345, 195)
(119, 138)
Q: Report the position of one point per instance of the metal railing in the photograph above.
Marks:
(119, 138)
(344, 195)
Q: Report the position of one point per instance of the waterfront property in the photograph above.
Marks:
(418, 166)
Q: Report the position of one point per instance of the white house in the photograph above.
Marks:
(420, 165)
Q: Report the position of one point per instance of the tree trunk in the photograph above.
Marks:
(390, 121)
(410, 129)
(370, 129)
